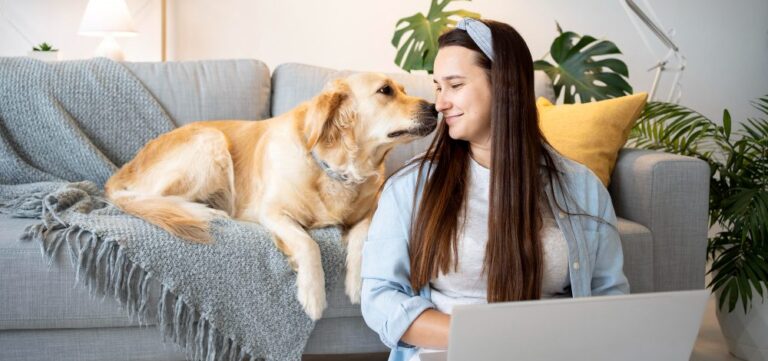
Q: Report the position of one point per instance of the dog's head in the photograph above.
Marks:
(367, 110)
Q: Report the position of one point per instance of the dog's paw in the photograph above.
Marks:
(353, 282)
(292, 263)
(353, 285)
(311, 294)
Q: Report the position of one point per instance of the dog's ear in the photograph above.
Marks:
(326, 119)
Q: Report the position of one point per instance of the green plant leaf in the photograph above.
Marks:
(577, 71)
(754, 277)
(729, 294)
(43, 47)
(419, 49)
(745, 291)
(616, 65)
(674, 129)
(738, 189)
(761, 104)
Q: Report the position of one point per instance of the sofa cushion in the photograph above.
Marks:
(591, 133)
(637, 246)
(294, 83)
(209, 89)
(331, 336)
(94, 344)
(34, 296)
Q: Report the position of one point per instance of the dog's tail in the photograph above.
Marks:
(182, 218)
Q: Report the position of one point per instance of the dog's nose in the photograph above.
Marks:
(429, 108)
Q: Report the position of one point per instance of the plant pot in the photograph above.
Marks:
(746, 334)
(44, 55)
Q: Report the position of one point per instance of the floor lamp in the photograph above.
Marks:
(672, 61)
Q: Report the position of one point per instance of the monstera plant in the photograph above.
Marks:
(580, 63)
(581, 68)
(418, 50)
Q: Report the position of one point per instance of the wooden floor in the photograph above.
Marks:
(352, 357)
(710, 345)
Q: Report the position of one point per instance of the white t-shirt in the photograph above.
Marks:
(467, 284)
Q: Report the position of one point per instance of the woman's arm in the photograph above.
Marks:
(429, 330)
(388, 303)
(608, 274)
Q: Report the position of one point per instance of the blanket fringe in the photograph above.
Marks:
(105, 269)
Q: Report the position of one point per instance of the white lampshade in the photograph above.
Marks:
(107, 17)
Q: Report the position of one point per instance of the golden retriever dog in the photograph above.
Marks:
(320, 164)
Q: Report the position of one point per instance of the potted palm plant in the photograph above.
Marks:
(738, 204)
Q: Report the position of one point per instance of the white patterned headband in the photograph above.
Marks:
(480, 34)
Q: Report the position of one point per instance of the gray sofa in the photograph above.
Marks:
(661, 201)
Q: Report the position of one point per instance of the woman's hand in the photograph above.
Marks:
(429, 330)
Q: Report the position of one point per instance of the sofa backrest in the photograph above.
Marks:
(210, 89)
(243, 89)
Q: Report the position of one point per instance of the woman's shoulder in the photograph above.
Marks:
(565, 165)
(396, 201)
(572, 169)
(582, 182)
(405, 178)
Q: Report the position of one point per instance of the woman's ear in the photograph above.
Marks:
(322, 122)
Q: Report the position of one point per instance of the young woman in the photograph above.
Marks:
(490, 212)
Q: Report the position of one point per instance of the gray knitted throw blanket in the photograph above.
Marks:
(65, 128)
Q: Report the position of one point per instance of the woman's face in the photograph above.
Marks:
(463, 95)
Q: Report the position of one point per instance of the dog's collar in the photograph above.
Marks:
(341, 177)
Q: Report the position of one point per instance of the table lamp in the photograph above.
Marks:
(108, 19)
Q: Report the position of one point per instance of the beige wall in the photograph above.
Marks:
(57, 22)
(726, 43)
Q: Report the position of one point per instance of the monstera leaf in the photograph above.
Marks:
(577, 72)
(418, 50)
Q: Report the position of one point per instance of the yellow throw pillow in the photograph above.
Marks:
(591, 133)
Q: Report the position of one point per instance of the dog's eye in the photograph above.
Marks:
(386, 90)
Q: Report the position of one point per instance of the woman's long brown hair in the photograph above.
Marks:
(513, 255)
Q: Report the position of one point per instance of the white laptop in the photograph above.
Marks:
(646, 326)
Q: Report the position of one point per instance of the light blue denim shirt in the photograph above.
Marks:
(389, 305)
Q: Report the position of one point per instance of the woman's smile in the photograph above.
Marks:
(450, 119)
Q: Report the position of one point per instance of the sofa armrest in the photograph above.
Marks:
(668, 194)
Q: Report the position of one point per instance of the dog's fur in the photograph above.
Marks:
(263, 171)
